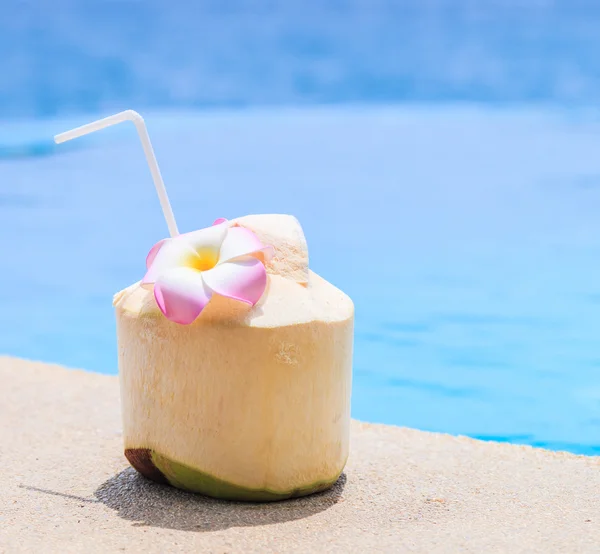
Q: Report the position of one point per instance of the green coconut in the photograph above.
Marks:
(247, 403)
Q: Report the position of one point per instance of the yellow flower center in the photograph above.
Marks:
(205, 259)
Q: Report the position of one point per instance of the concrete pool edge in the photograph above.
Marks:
(67, 487)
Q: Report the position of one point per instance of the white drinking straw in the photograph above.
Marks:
(138, 120)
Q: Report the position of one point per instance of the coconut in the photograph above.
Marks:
(246, 403)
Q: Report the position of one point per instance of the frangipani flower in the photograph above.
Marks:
(188, 269)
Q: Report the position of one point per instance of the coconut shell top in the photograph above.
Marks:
(294, 294)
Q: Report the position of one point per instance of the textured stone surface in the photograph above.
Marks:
(66, 487)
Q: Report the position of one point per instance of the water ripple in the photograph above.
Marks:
(495, 320)
(436, 388)
(27, 150)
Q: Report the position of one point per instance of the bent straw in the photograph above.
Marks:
(140, 125)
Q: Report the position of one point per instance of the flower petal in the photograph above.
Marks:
(181, 295)
(244, 279)
(153, 252)
(241, 242)
(219, 221)
(173, 253)
(210, 238)
(198, 250)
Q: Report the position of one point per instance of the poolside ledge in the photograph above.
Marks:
(66, 487)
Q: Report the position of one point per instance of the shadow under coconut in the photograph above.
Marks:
(147, 503)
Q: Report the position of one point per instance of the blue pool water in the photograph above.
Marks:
(473, 264)
(441, 155)
(100, 55)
